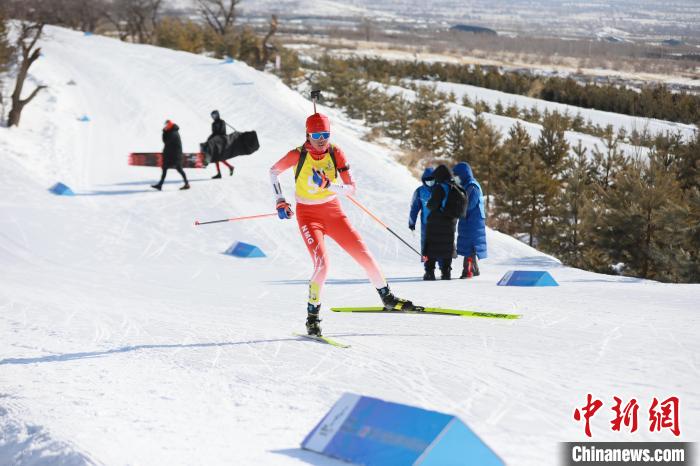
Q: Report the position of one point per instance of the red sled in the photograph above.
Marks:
(155, 159)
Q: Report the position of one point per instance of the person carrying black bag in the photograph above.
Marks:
(172, 154)
(447, 203)
(218, 128)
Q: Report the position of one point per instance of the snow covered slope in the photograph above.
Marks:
(126, 337)
(503, 124)
(597, 117)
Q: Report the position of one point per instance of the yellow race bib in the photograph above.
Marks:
(305, 186)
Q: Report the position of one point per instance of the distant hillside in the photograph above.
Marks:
(473, 29)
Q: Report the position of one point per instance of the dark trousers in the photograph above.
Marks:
(179, 170)
(445, 263)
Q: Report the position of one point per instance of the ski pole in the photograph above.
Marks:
(248, 217)
(357, 203)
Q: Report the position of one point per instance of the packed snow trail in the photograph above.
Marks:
(127, 337)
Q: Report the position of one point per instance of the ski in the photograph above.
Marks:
(322, 339)
(429, 310)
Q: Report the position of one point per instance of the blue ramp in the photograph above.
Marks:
(241, 249)
(372, 432)
(527, 278)
(61, 189)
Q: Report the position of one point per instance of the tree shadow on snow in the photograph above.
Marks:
(310, 457)
(344, 281)
(126, 349)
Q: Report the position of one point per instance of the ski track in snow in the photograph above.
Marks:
(127, 337)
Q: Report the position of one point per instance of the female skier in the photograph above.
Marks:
(321, 175)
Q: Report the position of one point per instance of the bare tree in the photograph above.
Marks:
(86, 14)
(135, 19)
(219, 14)
(29, 34)
(76, 14)
(267, 49)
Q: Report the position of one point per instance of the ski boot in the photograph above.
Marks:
(446, 274)
(429, 275)
(313, 326)
(392, 303)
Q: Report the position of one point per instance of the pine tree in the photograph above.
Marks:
(551, 146)
(690, 270)
(539, 190)
(486, 156)
(378, 104)
(568, 210)
(608, 162)
(683, 158)
(457, 126)
(398, 117)
(428, 114)
(686, 167)
(510, 202)
(641, 219)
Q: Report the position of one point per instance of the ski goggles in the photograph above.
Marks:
(322, 134)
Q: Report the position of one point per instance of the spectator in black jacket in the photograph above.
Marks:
(440, 231)
(172, 154)
(218, 129)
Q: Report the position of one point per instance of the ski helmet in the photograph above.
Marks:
(317, 123)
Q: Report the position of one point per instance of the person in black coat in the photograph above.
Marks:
(440, 231)
(218, 128)
(172, 154)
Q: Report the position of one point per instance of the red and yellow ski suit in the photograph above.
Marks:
(319, 213)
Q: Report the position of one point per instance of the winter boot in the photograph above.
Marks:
(429, 266)
(475, 265)
(230, 170)
(185, 186)
(392, 303)
(468, 271)
(157, 186)
(217, 176)
(446, 274)
(313, 326)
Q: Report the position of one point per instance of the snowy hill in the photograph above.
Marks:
(597, 117)
(126, 337)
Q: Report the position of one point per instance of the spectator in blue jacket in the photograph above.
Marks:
(471, 230)
(419, 204)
